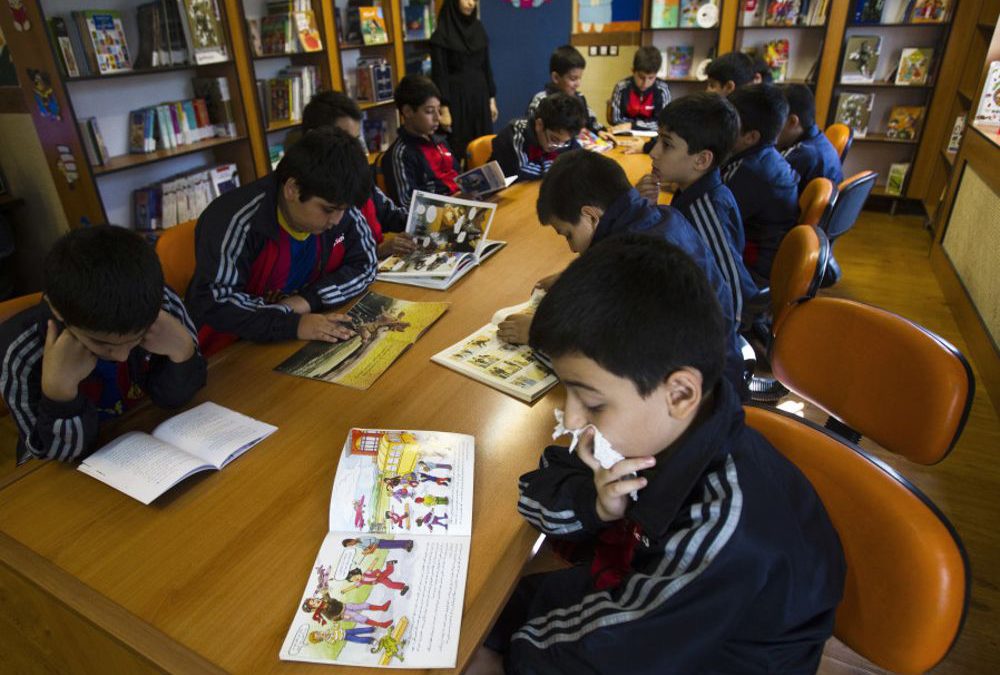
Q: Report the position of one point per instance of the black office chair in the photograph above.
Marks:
(852, 194)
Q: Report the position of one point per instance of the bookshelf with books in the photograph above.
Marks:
(688, 33)
(788, 35)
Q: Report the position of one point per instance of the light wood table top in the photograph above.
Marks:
(209, 576)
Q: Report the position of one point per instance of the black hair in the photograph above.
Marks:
(327, 163)
(763, 108)
(801, 103)
(576, 179)
(562, 112)
(105, 279)
(647, 60)
(705, 121)
(565, 59)
(760, 67)
(735, 67)
(414, 91)
(640, 308)
(326, 107)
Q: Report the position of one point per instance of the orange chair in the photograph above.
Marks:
(877, 374)
(9, 308)
(907, 585)
(175, 248)
(375, 160)
(841, 136)
(852, 193)
(815, 201)
(478, 151)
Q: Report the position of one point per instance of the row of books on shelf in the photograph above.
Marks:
(361, 24)
(684, 14)
(902, 123)
(182, 197)
(287, 28)
(283, 97)
(782, 13)
(861, 58)
(171, 32)
(419, 20)
(900, 11)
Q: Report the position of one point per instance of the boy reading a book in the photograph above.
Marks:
(764, 185)
(107, 332)
(729, 72)
(527, 147)
(802, 144)
(273, 257)
(566, 67)
(697, 133)
(419, 158)
(698, 547)
(387, 220)
(639, 99)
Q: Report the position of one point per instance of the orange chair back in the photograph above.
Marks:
(885, 377)
(478, 151)
(175, 248)
(907, 584)
(840, 136)
(798, 268)
(815, 201)
(376, 164)
(9, 308)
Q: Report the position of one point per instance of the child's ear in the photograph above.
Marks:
(290, 190)
(592, 214)
(682, 390)
(703, 160)
(728, 88)
(793, 121)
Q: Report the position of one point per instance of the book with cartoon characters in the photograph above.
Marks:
(388, 584)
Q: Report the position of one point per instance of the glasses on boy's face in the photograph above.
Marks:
(552, 142)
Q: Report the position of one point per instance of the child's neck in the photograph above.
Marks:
(690, 180)
(409, 128)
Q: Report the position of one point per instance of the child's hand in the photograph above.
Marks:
(632, 147)
(331, 327)
(546, 283)
(607, 135)
(494, 112)
(649, 187)
(65, 362)
(614, 484)
(169, 337)
(403, 244)
(515, 328)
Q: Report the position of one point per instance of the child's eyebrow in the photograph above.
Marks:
(581, 385)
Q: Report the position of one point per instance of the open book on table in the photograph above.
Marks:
(388, 584)
(513, 369)
(484, 180)
(451, 237)
(625, 129)
(206, 437)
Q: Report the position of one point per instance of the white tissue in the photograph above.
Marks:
(605, 455)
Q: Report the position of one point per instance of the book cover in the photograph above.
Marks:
(688, 13)
(894, 11)
(384, 328)
(781, 13)
(205, 29)
(273, 35)
(955, 140)
(776, 57)
(679, 59)
(215, 92)
(253, 34)
(309, 38)
(929, 11)
(274, 154)
(137, 132)
(753, 13)
(417, 18)
(373, 30)
(483, 180)
(665, 13)
(99, 145)
(64, 47)
(106, 36)
(589, 140)
(388, 584)
(854, 110)
(375, 132)
(860, 58)
(914, 66)
(988, 111)
(904, 122)
(868, 11)
(896, 179)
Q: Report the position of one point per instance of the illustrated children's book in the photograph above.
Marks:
(904, 122)
(384, 328)
(309, 38)
(988, 111)
(753, 13)
(388, 584)
(854, 110)
(679, 58)
(513, 369)
(776, 57)
(203, 29)
(373, 30)
(665, 13)
(782, 13)
(914, 66)
(144, 466)
(103, 38)
(860, 58)
(896, 179)
(929, 11)
(483, 180)
(589, 140)
(451, 238)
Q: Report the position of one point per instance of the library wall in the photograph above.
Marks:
(601, 76)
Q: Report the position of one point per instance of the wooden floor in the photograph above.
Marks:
(884, 260)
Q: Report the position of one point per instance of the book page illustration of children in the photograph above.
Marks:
(337, 633)
(430, 519)
(359, 512)
(373, 576)
(325, 609)
(369, 545)
(400, 520)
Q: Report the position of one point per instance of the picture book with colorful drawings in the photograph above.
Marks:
(384, 328)
(388, 584)
(904, 122)
(914, 66)
(513, 369)
(861, 58)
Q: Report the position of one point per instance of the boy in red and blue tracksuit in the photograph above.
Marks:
(566, 66)
(526, 148)
(807, 149)
(639, 99)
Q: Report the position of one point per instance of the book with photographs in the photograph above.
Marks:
(373, 30)
(904, 122)
(103, 38)
(914, 66)
(384, 328)
(855, 110)
(203, 31)
(206, 437)
(988, 111)
(665, 14)
(860, 58)
(451, 236)
(388, 584)
(483, 180)
(512, 369)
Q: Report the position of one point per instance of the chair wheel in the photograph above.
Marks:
(766, 389)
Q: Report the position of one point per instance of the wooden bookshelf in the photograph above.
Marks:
(123, 162)
(135, 72)
(882, 138)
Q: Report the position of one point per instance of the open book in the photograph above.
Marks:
(625, 129)
(451, 239)
(484, 180)
(144, 466)
(513, 369)
(388, 584)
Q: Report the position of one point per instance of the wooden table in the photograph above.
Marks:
(208, 578)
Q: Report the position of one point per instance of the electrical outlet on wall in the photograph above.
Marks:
(592, 51)
(603, 50)
(613, 50)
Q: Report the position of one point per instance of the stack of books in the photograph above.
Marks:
(288, 28)
(283, 97)
(181, 198)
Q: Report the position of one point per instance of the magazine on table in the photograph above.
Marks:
(388, 584)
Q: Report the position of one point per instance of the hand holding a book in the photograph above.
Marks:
(515, 328)
(332, 327)
(401, 245)
(168, 337)
(65, 363)
(615, 484)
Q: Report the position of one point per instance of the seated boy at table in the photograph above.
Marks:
(419, 158)
(765, 186)
(566, 67)
(526, 148)
(725, 560)
(638, 100)
(696, 135)
(387, 220)
(802, 144)
(273, 257)
(729, 72)
(107, 332)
